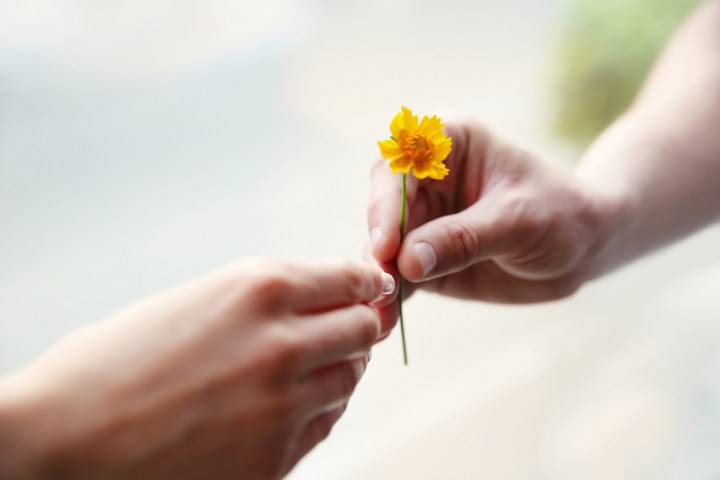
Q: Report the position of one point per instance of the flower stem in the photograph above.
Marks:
(400, 278)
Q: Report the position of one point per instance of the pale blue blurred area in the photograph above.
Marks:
(117, 184)
(144, 143)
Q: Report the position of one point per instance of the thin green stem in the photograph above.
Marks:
(401, 279)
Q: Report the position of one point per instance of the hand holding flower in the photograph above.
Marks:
(504, 226)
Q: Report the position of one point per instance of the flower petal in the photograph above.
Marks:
(438, 137)
(439, 172)
(411, 121)
(389, 149)
(401, 164)
(420, 172)
(442, 150)
(436, 171)
(431, 126)
(397, 124)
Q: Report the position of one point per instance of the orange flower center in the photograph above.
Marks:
(416, 146)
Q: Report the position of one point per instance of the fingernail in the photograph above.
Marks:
(426, 256)
(388, 283)
(375, 236)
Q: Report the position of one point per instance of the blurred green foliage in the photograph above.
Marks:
(606, 49)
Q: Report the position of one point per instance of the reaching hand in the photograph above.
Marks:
(235, 375)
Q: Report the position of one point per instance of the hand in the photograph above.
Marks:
(504, 226)
(235, 375)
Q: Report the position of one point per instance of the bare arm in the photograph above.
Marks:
(505, 226)
(663, 155)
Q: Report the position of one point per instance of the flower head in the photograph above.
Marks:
(421, 147)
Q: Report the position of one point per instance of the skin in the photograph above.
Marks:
(240, 373)
(507, 226)
(235, 375)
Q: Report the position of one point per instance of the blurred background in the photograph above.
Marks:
(146, 142)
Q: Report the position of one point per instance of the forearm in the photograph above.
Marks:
(662, 158)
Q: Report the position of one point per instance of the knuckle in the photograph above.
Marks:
(552, 249)
(348, 265)
(270, 285)
(355, 286)
(355, 281)
(464, 241)
(519, 215)
(287, 349)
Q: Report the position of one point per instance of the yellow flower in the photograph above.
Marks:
(422, 147)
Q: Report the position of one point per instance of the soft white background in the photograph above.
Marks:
(145, 142)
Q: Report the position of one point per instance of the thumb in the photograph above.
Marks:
(452, 243)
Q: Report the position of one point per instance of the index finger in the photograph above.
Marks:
(323, 285)
(383, 216)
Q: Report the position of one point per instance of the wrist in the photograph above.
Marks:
(20, 452)
(612, 215)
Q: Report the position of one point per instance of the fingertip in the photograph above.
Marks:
(388, 285)
(389, 276)
(338, 282)
(447, 245)
(386, 288)
(414, 260)
(426, 257)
